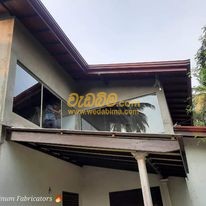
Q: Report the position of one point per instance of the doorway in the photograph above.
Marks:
(134, 197)
(70, 199)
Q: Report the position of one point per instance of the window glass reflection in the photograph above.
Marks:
(68, 121)
(27, 96)
(51, 110)
(146, 120)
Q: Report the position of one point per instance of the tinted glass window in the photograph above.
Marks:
(142, 116)
(51, 110)
(68, 121)
(27, 96)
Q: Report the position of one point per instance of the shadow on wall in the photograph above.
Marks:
(196, 153)
(179, 192)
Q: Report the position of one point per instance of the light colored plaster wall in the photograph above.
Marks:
(196, 157)
(27, 50)
(125, 89)
(28, 172)
(179, 193)
(98, 182)
(36, 58)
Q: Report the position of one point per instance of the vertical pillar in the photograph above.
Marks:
(6, 34)
(140, 157)
(6, 28)
(165, 192)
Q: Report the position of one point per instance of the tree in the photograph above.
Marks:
(133, 123)
(199, 98)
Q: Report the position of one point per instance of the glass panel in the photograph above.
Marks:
(27, 96)
(143, 115)
(68, 121)
(51, 110)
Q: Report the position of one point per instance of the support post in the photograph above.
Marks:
(140, 157)
(165, 192)
(6, 36)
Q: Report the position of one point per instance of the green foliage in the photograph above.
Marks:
(199, 98)
(201, 59)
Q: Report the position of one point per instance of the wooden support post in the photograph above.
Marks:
(140, 157)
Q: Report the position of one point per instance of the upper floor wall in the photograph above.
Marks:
(25, 50)
(28, 56)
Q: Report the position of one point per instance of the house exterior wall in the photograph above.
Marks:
(29, 172)
(128, 89)
(25, 171)
(196, 156)
(191, 191)
(27, 50)
(179, 193)
(99, 182)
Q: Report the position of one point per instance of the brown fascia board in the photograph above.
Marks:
(141, 67)
(190, 129)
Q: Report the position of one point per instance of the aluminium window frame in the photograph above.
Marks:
(43, 85)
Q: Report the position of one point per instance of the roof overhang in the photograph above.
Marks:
(174, 75)
(107, 149)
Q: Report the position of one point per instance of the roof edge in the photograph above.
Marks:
(140, 67)
(44, 14)
(190, 129)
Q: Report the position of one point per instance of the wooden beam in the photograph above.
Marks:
(91, 156)
(165, 159)
(157, 171)
(168, 164)
(89, 152)
(93, 141)
(159, 154)
(183, 154)
(168, 153)
(37, 147)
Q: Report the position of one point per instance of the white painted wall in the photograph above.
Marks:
(25, 171)
(37, 60)
(191, 191)
(98, 182)
(179, 193)
(196, 157)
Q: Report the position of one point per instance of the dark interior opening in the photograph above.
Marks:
(134, 197)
